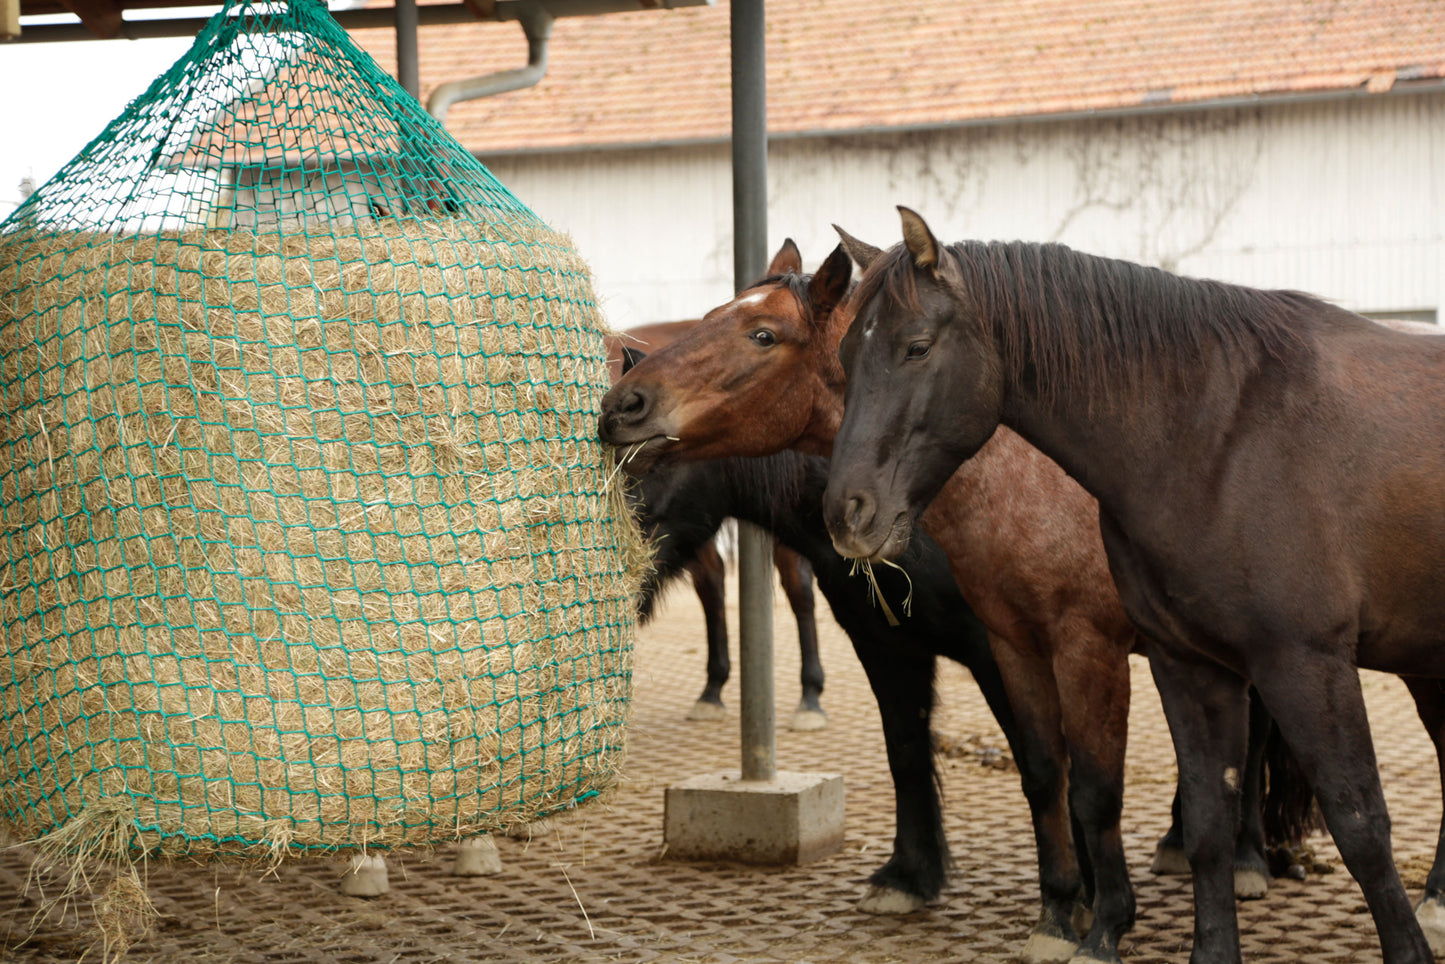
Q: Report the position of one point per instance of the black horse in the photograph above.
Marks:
(683, 505)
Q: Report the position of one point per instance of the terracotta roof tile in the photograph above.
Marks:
(837, 65)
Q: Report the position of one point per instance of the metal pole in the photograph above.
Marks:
(750, 258)
(407, 73)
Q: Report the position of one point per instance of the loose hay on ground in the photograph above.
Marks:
(307, 539)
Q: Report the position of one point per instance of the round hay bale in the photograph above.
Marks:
(307, 543)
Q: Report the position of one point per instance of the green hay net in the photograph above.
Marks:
(307, 540)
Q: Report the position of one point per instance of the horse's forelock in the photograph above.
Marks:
(796, 285)
(891, 275)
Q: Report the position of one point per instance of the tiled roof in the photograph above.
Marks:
(841, 65)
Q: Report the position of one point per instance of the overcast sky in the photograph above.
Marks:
(56, 97)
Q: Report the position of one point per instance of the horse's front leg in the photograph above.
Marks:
(1429, 697)
(1042, 759)
(902, 682)
(1205, 705)
(1317, 703)
(1093, 679)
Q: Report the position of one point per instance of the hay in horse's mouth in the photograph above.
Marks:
(875, 592)
(636, 458)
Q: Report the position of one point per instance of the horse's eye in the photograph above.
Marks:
(764, 337)
(919, 349)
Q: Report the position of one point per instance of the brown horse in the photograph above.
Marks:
(709, 573)
(1271, 482)
(761, 374)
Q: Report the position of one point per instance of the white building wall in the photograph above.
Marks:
(1341, 198)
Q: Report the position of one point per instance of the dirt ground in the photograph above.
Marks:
(596, 886)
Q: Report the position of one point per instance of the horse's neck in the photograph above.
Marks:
(830, 385)
(822, 428)
(1121, 453)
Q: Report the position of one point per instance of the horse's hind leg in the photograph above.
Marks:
(1208, 721)
(796, 576)
(1169, 859)
(1251, 865)
(1320, 710)
(1042, 761)
(708, 574)
(1093, 680)
(1429, 697)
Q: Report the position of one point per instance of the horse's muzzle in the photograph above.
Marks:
(858, 531)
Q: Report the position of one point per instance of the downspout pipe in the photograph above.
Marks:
(537, 25)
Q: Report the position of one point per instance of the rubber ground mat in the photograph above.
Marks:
(594, 885)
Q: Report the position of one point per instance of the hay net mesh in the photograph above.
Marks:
(307, 540)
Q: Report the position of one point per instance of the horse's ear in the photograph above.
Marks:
(830, 282)
(630, 357)
(788, 259)
(918, 239)
(859, 251)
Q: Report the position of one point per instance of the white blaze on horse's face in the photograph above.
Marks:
(747, 301)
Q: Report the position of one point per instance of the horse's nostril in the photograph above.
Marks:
(633, 405)
(859, 511)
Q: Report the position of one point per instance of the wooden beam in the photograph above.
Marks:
(9, 19)
(101, 17)
(484, 9)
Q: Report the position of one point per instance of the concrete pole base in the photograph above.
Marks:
(792, 819)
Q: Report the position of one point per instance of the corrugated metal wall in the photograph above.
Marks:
(1340, 198)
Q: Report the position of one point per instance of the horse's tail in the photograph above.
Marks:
(1290, 810)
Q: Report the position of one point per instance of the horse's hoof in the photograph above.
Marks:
(477, 857)
(1169, 862)
(886, 900)
(365, 877)
(804, 720)
(1048, 949)
(1431, 915)
(704, 712)
(1092, 958)
(1250, 883)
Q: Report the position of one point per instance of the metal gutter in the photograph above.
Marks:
(537, 25)
(536, 17)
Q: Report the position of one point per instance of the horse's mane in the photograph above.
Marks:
(797, 285)
(777, 480)
(1081, 325)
